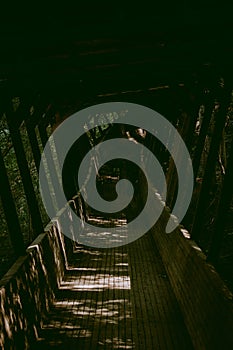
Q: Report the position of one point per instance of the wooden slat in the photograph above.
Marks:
(34, 144)
(8, 204)
(52, 171)
(202, 136)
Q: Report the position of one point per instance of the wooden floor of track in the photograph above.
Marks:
(118, 298)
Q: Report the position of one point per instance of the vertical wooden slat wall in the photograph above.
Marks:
(224, 205)
(25, 175)
(15, 119)
(210, 167)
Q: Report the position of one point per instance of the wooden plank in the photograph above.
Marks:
(12, 219)
(34, 143)
(209, 104)
(52, 171)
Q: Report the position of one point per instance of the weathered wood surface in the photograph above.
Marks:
(117, 298)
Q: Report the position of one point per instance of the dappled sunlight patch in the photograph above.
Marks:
(93, 307)
(79, 320)
(117, 235)
(81, 269)
(118, 343)
(87, 251)
(107, 222)
(185, 233)
(114, 231)
(122, 264)
(68, 303)
(97, 283)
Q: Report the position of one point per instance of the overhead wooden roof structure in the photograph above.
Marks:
(102, 48)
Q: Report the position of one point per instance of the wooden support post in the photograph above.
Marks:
(34, 143)
(51, 168)
(202, 136)
(43, 134)
(8, 204)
